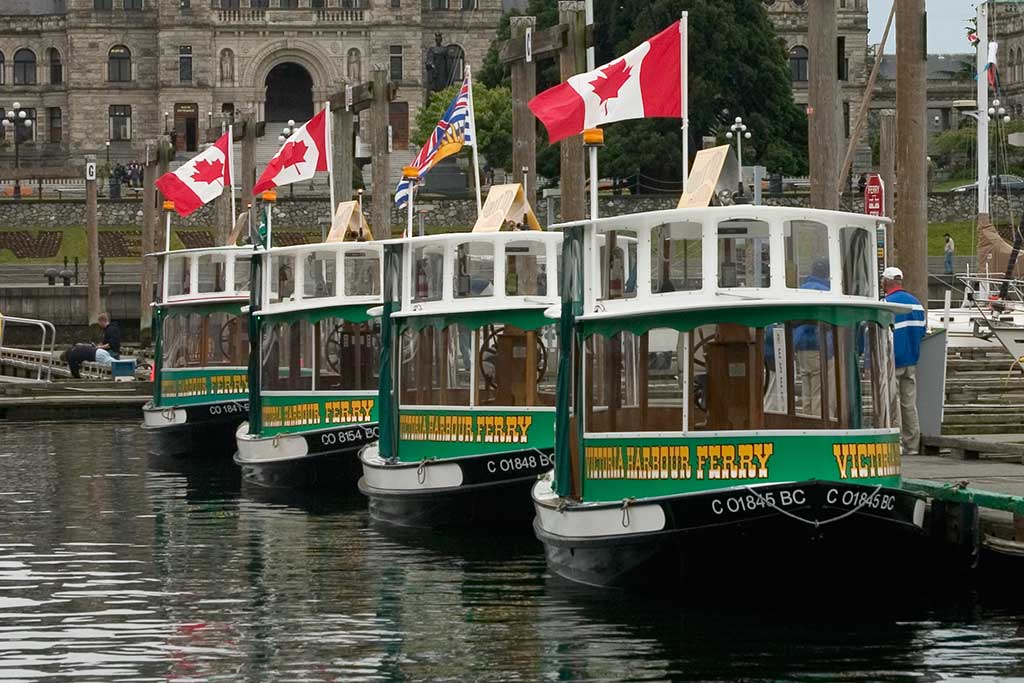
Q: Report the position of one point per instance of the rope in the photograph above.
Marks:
(815, 523)
(421, 470)
(625, 511)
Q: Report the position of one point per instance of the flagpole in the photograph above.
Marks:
(408, 206)
(167, 231)
(472, 127)
(231, 170)
(588, 14)
(329, 134)
(684, 91)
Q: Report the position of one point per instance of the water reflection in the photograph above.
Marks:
(118, 565)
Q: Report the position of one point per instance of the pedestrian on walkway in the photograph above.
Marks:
(948, 249)
(909, 330)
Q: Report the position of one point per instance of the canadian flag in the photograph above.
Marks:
(302, 155)
(199, 180)
(643, 83)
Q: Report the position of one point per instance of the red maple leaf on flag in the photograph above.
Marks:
(607, 85)
(292, 154)
(206, 172)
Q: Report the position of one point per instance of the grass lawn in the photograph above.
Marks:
(960, 231)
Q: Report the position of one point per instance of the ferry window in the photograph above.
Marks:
(474, 269)
(179, 275)
(515, 367)
(878, 397)
(362, 273)
(807, 265)
(348, 355)
(618, 264)
(814, 384)
(676, 257)
(243, 272)
(526, 269)
(287, 357)
(177, 343)
(211, 272)
(428, 263)
(743, 254)
(319, 276)
(282, 278)
(436, 366)
(227, 338)
(856, 252)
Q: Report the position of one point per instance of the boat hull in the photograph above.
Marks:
(315, 460)
(812, 532)
(486, 490)
(206, 429)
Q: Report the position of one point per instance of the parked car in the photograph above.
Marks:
(997, 183)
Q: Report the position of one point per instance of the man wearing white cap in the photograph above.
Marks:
(906, 337)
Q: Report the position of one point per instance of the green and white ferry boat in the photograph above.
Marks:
(468, 371)
(728, 405)
(200, 380)
(314, 364)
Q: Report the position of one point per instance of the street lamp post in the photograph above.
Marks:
(18, 122)
(739, 130)
(286, 133)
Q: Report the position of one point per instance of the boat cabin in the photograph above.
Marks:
(722, 327)
(202, 336)
(317, 340)
(475, 356)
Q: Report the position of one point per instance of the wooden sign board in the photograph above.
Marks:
(506, 206)
(707, 178)
(349, 224)
(241, 227)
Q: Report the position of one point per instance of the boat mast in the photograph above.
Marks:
(982, 100)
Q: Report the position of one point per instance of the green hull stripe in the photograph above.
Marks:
(619, 468)
(295, 414)
(441, 434)
(201, 385)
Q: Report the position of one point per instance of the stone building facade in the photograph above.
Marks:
(93, 72)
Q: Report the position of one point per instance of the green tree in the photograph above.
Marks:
(738, 66)
(493, 120)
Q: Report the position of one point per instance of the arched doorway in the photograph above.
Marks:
(289, 93)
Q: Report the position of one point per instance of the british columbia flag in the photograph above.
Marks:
(453, 131)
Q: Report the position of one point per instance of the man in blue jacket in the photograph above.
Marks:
(808, 354)
(907, 334)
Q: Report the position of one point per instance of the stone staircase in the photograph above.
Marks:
(983, 394)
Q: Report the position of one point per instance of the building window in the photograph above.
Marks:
(469, 4)
(798, 64)
(317, 4)
(56, 67)
(398, 120)
(133, 4)
(54, 120)
(842, 63)
(119, 64)
(846, 121)
(184, 4)
(3, 64)
(230, 4)
(396, 62)
(24, 67)
(438, 4)
(185, 63)
(396, 4)
(103, 4)
(259, 4)
(120, 122)
(352, 4)
(289, 4)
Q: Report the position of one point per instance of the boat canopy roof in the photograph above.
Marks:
(476, 273)
(207, 276)
(744, 256)
(310, 278)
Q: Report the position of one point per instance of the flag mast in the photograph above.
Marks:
(588, 14)
(329, 134)
(472, 127)
(684, 91)
(231, 170)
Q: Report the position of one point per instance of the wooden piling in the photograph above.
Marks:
(524, 127)
(824, 133)
(572, 60)
(93, 242)
(381, 206)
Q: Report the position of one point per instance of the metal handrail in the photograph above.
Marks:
(43, 325)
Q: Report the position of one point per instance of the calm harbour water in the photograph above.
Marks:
(116, 565)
